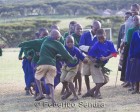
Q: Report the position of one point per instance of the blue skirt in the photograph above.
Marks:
(128, 70)
(134, 75)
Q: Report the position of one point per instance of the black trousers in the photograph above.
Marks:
(126, 51)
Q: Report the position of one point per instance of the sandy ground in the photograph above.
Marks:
(115, 99)
(13, 98)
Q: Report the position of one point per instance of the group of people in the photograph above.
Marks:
(129, 47)
(52, 58)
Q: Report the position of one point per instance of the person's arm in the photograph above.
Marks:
(0, 52)
(65, 54)
(30, 54)
(30, 43)
(20, 54)
(112, 54)
(119, 37)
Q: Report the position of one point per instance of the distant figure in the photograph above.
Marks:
(120, 37)
(71, 29)
(128, 24)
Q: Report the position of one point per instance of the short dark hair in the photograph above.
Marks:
(73, 22)
(100, 31)
(136, 6)
(128, 13)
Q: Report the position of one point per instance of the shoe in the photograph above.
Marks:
(87, 95)
(39, 98)
(66, 95)
(27, 92)
(74, 98)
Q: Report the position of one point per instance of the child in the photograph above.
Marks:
(99, 55)
(26, 65)
(78, 78)
(69, 71)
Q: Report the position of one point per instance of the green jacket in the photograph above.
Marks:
(49, 49)
(130, 34)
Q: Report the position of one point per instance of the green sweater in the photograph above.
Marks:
(76, 39)
(49, 49)
(0, 52)
(130, 34)
(27, 52)
(65, 35)
(35, 45)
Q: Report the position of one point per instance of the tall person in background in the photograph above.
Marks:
(71, 29)
(128, 24)
(120, 37)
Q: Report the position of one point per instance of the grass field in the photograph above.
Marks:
(13, 98)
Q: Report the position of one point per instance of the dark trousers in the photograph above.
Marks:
(123, 72)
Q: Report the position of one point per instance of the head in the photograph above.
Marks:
(135, 8)
(69, 41)
(55, 27)
(95, 26)
(101, 35)
(43, 32)
(55, 34)
(127, 15)
(136, 20)
(72, 26)
(78, 29)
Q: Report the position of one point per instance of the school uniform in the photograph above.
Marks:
(27, 68)
(134, 53)
(97, 51)
(47, 61)
(36, 45)
(126, 64)
(86, 41)
(69, 71)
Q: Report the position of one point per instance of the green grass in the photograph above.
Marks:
(11, 67)
(63, 24)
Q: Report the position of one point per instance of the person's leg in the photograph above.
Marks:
(71, 86)
(86, 73)
(68, 92)
(87, 82)
(25, 69)
(40, 96)
(30, 75)
(52, 93)
(79, 82)
(75, 81)
(40, 71)
(97, 90)
(124, 63)
(136, 90)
